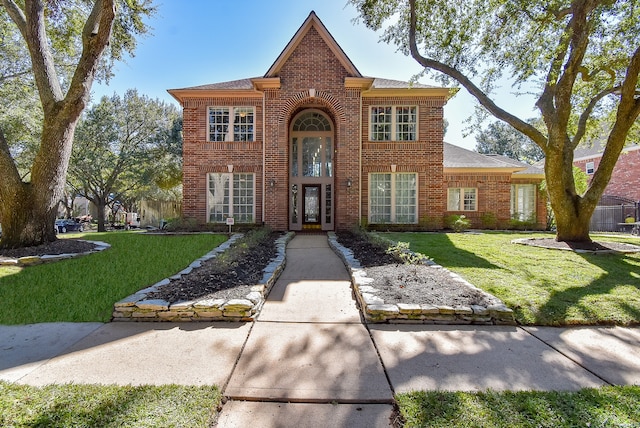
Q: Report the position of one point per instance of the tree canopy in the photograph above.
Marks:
(501, 139)
(581, 58)
(52, 51)
(125, 147)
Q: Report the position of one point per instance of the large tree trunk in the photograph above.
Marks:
(24, 222)
(29, 209)
(100, 205)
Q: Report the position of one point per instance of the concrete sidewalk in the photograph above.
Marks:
(308, 360)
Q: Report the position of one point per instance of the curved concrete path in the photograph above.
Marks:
(309, 361)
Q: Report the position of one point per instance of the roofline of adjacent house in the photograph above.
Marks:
(477, 169)
(625, 149)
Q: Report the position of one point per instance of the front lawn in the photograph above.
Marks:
(615, 406)
(542, 286)
(73, 405)
(84, 289)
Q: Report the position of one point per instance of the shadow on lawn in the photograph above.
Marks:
(619, 271)
(439, 247)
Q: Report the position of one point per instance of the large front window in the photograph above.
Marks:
(394, 123)
(462, 199)
(392, 198)
(231, 195)
(523, 202)
(231, 124)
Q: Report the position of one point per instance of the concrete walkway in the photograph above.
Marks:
(309, 361)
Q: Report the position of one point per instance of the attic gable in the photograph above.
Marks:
(313, 21)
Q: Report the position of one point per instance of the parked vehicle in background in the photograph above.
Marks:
(64, 225)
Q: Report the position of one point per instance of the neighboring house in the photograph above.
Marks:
(625, 178)
(314, 144)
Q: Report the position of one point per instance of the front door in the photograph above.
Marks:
(312, 202)
(311, 172)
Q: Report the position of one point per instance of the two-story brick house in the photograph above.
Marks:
(314, 144)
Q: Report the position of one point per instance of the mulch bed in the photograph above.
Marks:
(398, 282)
(594, 246)
(61, 246)
(227, 276)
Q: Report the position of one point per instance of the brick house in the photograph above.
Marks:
(314, 144)
(625, 178)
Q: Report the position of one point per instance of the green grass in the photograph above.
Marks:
(603, 407)
(542, 286)
(84, 289)
(73, 405)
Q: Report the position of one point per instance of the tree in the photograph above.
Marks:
(583, 56)
(124, 147)
(501, 139)
(65, 41)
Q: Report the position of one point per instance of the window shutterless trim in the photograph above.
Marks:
(232, 130)
(392, 127)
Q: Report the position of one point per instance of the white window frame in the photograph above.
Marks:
(231, 202)
(590, 168)
(462, 193)
(515, 202)
(394, 124)
(394, 206)
(234, 112)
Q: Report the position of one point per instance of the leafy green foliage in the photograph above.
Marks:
(580, 58)
(501, 139)
(108, 405)
(401, 250)
(126, 148)
(459, 223)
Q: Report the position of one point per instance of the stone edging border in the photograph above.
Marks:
(138, 308)
(47, 258)
(409, 313)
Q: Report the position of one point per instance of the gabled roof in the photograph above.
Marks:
(460, 158)
(313, 21)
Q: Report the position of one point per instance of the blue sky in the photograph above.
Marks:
(196, 42)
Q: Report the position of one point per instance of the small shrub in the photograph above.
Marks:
(459, 223)
(489, 220)
(401, 250)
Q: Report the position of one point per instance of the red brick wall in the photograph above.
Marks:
(625, 179)
(423, 157)
(494, 196)
(201, 157)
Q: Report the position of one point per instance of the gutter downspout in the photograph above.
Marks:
(360, 163)
(264, 156)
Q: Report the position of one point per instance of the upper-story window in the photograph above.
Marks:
(590, 168)
(231, 124)
(394, 123)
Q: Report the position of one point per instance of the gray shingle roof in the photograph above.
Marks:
(246, 84)
(458, 157)
(379, 83)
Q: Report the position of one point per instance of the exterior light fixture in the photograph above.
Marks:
(349, 182)
(272, 183)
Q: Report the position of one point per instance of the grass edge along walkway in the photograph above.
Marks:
(597, 407)
(542, 286)
(108, 405)
(84, 289)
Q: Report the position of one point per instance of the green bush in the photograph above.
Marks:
(489, 220)
(459, 223)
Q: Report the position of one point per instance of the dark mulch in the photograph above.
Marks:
(595, 246)
(61, 246)
(398, 282)
(227, 276)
